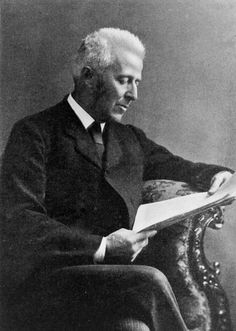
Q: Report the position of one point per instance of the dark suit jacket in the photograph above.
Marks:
(58, 200)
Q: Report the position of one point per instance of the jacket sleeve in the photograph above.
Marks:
(159, 163)
(30, 238)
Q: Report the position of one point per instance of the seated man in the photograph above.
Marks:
(72, 177)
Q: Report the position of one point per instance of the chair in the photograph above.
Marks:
(194, 279)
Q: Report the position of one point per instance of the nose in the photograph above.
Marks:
(132, 93)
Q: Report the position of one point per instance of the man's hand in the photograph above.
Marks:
(126, 244)
(219, 179)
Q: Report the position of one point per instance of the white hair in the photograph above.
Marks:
(97, 50)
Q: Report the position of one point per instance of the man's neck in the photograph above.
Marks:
(84, 101)
(84, 117)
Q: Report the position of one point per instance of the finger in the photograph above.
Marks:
(145, 242)
(141, 236)
(216, 183)
(145, 234)
(136, 254)
(218, 180)
(151, 233)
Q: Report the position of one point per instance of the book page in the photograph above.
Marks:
(163, 211)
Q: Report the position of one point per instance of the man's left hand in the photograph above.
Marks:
(219, 179)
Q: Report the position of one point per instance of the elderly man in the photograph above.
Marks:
(72, 177)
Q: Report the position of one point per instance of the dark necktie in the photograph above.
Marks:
(96, 133)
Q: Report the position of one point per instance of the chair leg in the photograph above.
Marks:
(206, 273)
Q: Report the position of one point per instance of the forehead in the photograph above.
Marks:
(128, 63)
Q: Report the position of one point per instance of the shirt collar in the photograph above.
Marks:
(83, 116)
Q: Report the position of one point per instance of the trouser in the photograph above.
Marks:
(94, 297)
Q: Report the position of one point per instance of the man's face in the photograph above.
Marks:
(118, 87)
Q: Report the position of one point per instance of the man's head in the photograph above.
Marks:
(107, 71)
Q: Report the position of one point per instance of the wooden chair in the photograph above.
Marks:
(181, 257)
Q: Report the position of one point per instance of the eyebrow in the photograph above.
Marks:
(129, 76)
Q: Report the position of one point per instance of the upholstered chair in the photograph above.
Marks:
(179, 253)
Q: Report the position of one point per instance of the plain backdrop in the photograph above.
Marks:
(187, 99)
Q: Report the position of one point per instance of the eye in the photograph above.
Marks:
(123, 80)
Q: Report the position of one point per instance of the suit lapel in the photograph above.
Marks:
(115, 135)
(86, 146)
(83, 141)
(113, 151)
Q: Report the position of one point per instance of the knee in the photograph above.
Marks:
(153, 276)
(127, 324)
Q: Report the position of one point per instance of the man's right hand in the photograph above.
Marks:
(126, 244)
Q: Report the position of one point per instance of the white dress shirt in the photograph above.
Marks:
(84, 117)
(87, 120)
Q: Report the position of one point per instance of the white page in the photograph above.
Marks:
(156, 212)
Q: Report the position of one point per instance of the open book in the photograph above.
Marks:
(158, 215)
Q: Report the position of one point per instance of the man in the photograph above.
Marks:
(72, 177)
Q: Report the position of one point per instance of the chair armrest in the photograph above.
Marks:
(181, 257)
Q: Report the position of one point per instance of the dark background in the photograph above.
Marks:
(188, 95)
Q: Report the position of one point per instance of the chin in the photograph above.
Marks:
(117, 117)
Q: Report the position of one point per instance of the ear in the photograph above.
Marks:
(90, 77)
(87, 72)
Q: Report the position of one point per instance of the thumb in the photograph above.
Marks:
(151, 233)
(216, 182)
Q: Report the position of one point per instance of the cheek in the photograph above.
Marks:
(112, 92)
(119, 90)
(115, 89)
(113, 95)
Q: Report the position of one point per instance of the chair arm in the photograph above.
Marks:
(181, 257)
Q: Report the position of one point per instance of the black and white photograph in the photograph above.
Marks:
(117, 165)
